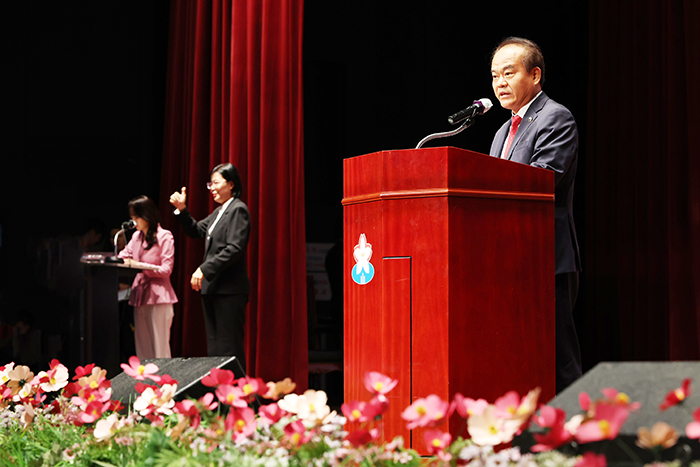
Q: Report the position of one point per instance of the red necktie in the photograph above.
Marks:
(513, 129)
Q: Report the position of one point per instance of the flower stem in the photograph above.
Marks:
(628, 451)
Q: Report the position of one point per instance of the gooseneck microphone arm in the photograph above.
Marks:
(466, 117)
(465, 124)
(128, 225)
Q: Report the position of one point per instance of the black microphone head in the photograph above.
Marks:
(130, 224)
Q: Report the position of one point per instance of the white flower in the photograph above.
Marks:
(158, 400)
(486, 429)
(3, 374)
(311, 406)
(58, 378)
(105, 428)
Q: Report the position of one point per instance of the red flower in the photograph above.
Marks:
(83, 371)
(218, 376)
(676, 396)
(590, 459)
(361, 437)
(297, 434)
(553, 419)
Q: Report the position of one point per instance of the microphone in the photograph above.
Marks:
(479, 107)
(130, 224)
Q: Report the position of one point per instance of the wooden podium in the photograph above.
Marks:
(99, 317)
(458, 295)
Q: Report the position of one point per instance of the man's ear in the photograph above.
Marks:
(536, 74)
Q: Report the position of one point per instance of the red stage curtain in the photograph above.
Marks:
(234, 94)
(642, 267)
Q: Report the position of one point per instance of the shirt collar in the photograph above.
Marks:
(523, 109)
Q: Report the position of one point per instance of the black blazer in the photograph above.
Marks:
(547, 137)
(224, 265)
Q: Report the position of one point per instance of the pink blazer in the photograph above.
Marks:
(152, 287)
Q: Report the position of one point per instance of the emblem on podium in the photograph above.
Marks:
(362, 271)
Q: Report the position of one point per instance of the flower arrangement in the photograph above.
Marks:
(52, 419)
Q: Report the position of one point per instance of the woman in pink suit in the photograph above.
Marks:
(152, 295)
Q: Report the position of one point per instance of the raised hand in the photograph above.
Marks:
(179, 199)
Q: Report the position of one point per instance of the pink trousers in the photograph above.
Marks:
(152, 330)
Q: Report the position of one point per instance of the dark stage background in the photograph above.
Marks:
(84, 92)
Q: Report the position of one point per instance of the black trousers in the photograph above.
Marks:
(224, 321)
(567, 348)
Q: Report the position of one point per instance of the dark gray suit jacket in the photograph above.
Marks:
(547, 137)
(224, 265)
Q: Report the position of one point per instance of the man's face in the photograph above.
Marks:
(513, 85)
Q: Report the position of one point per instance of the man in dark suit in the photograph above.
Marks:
(543, 133)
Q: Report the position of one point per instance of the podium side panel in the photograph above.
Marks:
(501, 297)
(362, 311)
(395, 333)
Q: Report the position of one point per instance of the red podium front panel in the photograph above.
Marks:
(458, 294)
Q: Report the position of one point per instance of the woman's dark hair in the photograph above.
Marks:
(145, 208)
(230, 174)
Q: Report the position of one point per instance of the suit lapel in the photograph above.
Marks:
(214, 214)
(527, 122)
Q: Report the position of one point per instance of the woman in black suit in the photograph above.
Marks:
(222, 277)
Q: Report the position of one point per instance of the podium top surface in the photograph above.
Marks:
(102, 259)
(442, 171)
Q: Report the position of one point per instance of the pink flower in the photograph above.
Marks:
(692, 430)
(507, 404)
(242, 421)
(590, 459)
(231, 395)
(516, 412)
(140, 372)
(296, 433)
(605, 422)
(189, 410)
(252, 387)
(467, 407)
(217, 376)
(553, 419)
(436, 441)
(620, 398)
(207, 401)
(430, 411)
(353, 411)
(271, 414)
(676, 396)
(377, 383)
